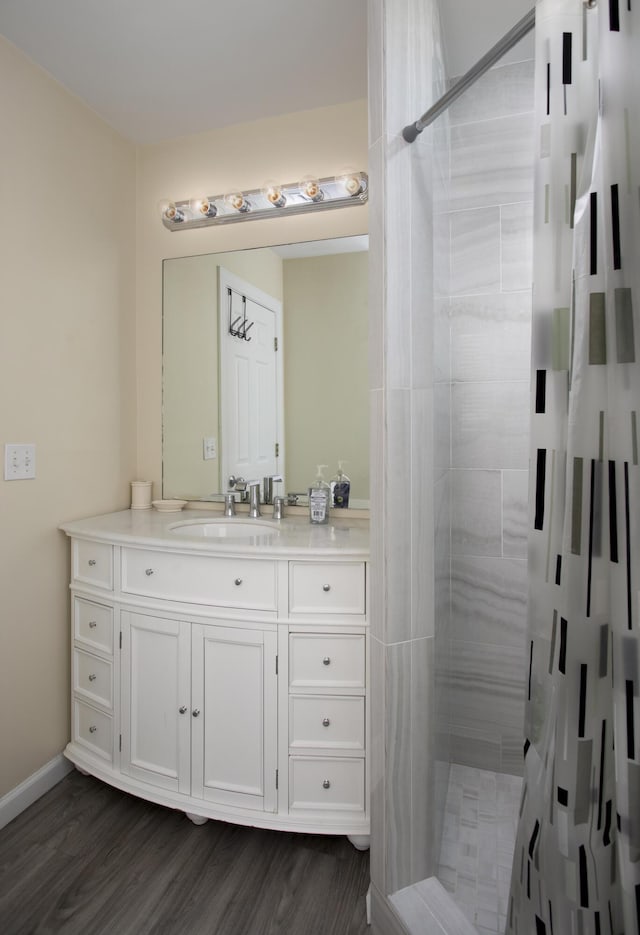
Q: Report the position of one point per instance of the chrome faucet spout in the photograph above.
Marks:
(254, 498)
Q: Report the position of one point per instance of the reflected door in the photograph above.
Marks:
(250, 381)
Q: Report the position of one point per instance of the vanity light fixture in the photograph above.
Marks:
(273, 200)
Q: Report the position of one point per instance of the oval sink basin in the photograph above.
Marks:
(226, 529)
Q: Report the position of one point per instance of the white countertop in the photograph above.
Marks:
(295, 536)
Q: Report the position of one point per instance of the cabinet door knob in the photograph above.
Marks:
(238, 582)
(326, 587)
(92, 677)
(183, 709)
(92, 561)
(326, 784)
(149, 571)
(326, 722)
(196, 712)
(92, 624)
(92, 729)
(326, 661)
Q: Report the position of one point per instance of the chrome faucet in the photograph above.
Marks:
(267, 486)
(254, 498)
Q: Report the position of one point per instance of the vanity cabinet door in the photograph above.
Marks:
(156, 693)
(234, 735)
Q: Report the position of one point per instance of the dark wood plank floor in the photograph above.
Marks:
(89, 860)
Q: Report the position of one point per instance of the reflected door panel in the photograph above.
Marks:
(249, 384)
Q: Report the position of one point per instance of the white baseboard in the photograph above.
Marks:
(32, 788)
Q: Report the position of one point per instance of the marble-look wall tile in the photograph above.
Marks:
(476, 512)
(377, 529)
(491, 337)
(489, 601)
(441, 254)
(423, 819)
(398, 268)
(505, 90)
(377, 763)
(398, 512)
(488, 685)
(421, 508)
(512, 753)
(375, 62)
(441, 429)
(516, 241)
(491, 162)
(376, 267)
(421, 336)
(475, 251)
(441, 326)
(490, 425)
(515, 513)
(481, 749)
(398, 775)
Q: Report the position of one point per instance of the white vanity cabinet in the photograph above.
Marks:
(199, 709)
(226, 681)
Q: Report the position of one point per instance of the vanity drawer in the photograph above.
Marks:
(328, 783)
(93, 729)
(93, 624)
(334, 662)
(200, 579)
(326, 721)
(326, 588)
(92, 563)
(93, 678)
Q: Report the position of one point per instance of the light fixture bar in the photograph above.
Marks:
(351, 188)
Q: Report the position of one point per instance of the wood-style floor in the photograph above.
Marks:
(89, 860)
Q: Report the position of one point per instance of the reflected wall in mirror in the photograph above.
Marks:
(323, 290)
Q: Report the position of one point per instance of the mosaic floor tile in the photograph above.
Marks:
(478, 839)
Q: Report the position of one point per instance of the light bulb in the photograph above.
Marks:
(272, 191)
(237, 202)
(310, 188)
(171, 212)
(352, 182)
(204, 207)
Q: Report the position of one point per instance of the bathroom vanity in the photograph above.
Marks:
(220, 666)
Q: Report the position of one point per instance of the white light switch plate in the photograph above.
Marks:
(19, 462)
(209, 448)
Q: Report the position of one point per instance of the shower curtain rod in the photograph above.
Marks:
(518, 32)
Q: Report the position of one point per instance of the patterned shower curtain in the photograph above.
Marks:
(577, 860)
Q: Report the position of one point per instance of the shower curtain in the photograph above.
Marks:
(577, 859)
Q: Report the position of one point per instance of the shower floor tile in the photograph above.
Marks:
(478, 840)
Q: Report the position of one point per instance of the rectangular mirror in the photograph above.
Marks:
(321, 377)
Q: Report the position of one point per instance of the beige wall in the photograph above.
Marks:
(319, 142)
(80, 363)
(67, 184)
(326, 369)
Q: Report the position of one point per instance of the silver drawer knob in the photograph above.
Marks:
(92, 729)
(92, 677)
(149, 571)
(238, 582)
(326, 784)
(183, 709)
(326, 587)
(196, 712)
(92, 624)
(92, 561)
(326, 722)
(326, 661)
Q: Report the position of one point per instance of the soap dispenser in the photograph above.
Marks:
(319, 499)
(340, 488)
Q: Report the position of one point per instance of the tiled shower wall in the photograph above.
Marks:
(485, 284)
